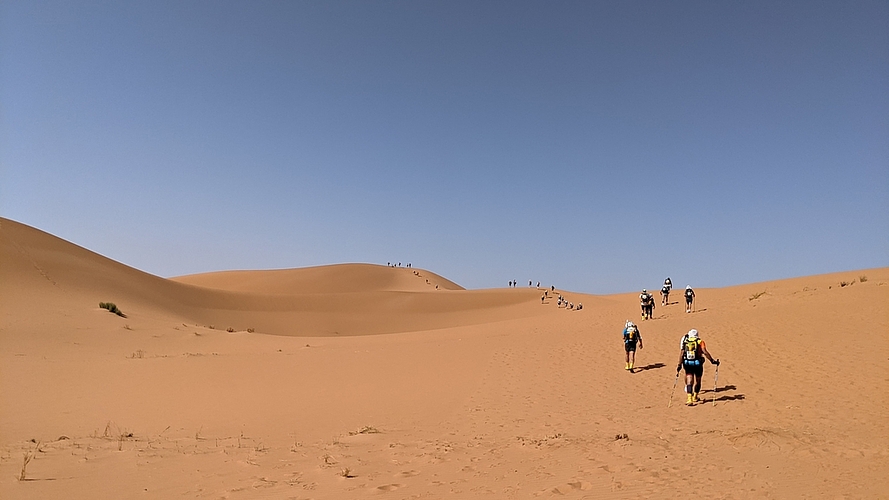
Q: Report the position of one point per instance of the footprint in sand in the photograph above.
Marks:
(390, 487)
(409, 473)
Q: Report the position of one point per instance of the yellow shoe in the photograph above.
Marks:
(631, 367)
(690, 400)
(696, 397)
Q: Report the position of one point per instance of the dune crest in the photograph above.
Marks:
(345, 299)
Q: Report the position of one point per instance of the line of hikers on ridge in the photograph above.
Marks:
(692, 353)
(569, 306)
(646, 299)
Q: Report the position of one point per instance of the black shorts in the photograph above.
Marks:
(629, 346)
(694, 369)
(689, 299)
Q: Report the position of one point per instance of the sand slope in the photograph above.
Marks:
(349, 299)
(478, 393)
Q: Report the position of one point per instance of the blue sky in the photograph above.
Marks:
(597, 146)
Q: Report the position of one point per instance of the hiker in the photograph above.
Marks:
(691, 358)
(689, 298)
(665, 295)
(579, 306)
(553, 288)
(538, 284)
(647, 303)
(631, 337)
(542, 298)
(668, 283)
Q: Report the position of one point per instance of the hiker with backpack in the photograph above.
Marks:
(665, 295)
(647, 302)
(689, 298)
(691, 358)
(631, 338)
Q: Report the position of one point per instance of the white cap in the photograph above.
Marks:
(687, 287)
(630, 323)
(693, 333)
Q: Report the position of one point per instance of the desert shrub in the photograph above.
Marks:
(756, 296)
(112, 307)
(230, 330)
(862, 278)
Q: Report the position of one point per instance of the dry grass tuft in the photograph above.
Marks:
(757, 295)
(365, 430)
(27, 457)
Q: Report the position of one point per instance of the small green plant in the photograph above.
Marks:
(862, 278)
(112, 307)
(756, 295)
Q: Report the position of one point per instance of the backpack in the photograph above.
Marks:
(631, 334)
(691, 346)
(689, 293)
(646, 298)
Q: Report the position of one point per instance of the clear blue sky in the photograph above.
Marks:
(597, 146)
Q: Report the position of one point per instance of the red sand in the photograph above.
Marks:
(365, 381)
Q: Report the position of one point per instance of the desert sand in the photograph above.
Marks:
(366, 381)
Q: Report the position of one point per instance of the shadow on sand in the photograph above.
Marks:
(653, 366)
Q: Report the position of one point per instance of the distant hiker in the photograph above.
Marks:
(579, 306)
(510, 284)
(571, 305)
(542, 298)
(538, 284)
(689, 298)
(668, 283)
(646, 300)
(691, 358)
(529, 284)
(559, 303)
(554, 288)
(631, 337)
(665, 295)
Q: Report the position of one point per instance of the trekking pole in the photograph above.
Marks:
(715, 381)
(670, 404)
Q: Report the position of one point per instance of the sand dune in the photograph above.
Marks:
(348, 299)
(339, 278)
(375, 384)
